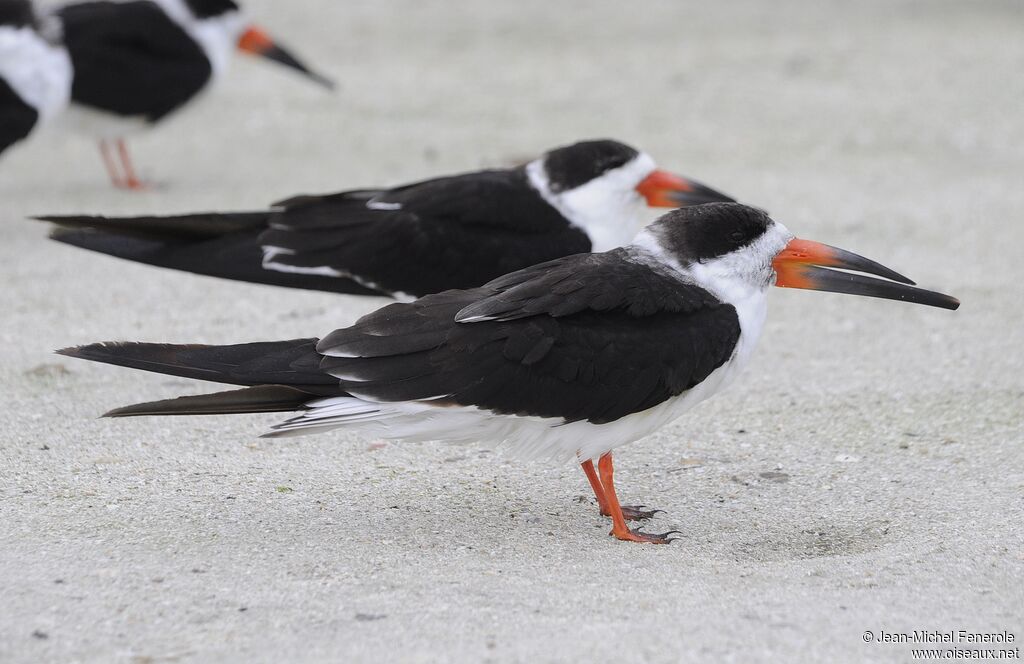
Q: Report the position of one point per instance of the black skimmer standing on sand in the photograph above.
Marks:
(35, 71)
(569, 359)
(138, 61)
(450, 232)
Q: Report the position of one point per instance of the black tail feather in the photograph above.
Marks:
(182, 228)
(258, 399)
(236, 256)
(294, 363)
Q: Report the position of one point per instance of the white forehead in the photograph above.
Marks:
(783, 233)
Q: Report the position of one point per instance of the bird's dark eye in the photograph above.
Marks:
(737, 236)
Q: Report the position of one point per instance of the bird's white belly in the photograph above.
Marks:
(100, 124)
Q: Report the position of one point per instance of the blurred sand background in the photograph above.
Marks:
(868, 473)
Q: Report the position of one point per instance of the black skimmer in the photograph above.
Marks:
(570, 358)
(138, 61)
(35, 71)
(451, 232)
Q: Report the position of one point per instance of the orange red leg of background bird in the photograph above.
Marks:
(123, 178)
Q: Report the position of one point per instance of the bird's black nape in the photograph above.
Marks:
(211, 8)
(577, 164)
(707, 231)
(16, 13)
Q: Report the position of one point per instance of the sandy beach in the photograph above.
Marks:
(866, 474)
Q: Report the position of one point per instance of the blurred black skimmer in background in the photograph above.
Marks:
(137, 62)
(457, 231)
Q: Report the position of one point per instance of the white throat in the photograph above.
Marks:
(608, 209)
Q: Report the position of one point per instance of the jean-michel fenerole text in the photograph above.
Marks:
(949, 636)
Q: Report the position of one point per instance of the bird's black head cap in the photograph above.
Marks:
(577, 164)
(211, 8)
(16, 13)
(702, 232)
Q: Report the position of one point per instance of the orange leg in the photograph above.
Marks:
(629, 512)
(130, 180)
(595, 484)
(619, 528)
(108, 161)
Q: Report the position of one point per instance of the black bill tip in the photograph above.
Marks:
(849, 283)
(283, 57)
(699, 194)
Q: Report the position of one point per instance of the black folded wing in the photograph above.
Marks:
(452, 232)
(591, 337)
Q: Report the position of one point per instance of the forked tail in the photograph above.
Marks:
(277, 376)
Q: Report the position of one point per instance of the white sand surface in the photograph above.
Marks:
(866, 474)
